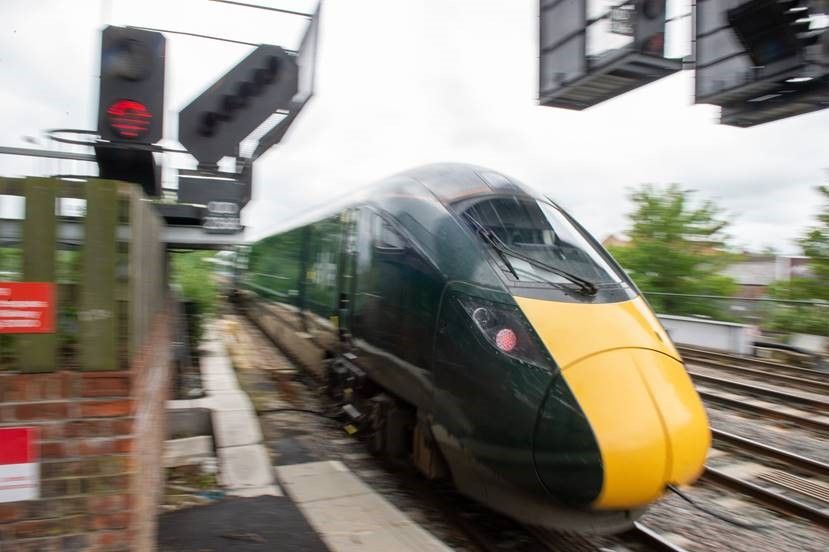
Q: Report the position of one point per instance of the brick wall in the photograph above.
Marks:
(101, 435)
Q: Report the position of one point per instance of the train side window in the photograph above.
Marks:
(384, 236)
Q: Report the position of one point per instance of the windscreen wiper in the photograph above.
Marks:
(585, 286)
(490, 238)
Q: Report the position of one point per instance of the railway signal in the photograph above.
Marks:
(587, 57)
(649, 27)
(214, 124)
(131, 97)
(131, 106)
(761, 60)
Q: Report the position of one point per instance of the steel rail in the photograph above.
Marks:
(790, 398)
(768, 497)
(784, 378)
(797, 419)
(796, 460)
(696, 352)
(653, 539)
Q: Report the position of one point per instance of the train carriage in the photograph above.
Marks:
(529, 363)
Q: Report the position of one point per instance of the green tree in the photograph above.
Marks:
(193, 275)
(677, 247)
(815, 287)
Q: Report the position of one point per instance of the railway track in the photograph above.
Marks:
(773, 498)
(775, 411)
(639, 536)
(806, 383)
(734, 362)
(816, 403)
(653, 539)
(783, 481)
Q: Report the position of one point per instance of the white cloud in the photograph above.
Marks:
(403, 83)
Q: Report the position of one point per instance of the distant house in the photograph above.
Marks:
(754, 273)
(615, 240)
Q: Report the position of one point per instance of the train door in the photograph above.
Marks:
(346, 277)
(382, 322)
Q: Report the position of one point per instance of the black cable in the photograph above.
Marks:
(718, 515)
(195, 35)
(119, 145)
(268, 8)
(300, 410)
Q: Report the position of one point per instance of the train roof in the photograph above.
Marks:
(451, 182)
(448, 182)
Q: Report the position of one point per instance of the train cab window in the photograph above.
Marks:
(535, 241)
(384, 236)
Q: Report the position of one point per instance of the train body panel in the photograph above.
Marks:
(552, 391)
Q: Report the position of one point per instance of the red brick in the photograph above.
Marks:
(108, 540)
(57, 385)
(51, 431)
(39, 509)
(88, 428)
(104, 484)
(6, 413)
(75, 543)
(12, 388)
(10, 512)
(39, 545)
(96, 447)
(53, 450)
(105, 409)
(101, 504)
(105, 384)
(118, 520)
(71, 507)
(53, 488)
(36, 528)
(41, 411)
(123, 427)
(123, 445)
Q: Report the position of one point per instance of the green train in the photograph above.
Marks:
(486, 335)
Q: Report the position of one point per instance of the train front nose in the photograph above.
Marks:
(647, 420)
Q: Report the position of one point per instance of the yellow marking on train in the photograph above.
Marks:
(622, 368)
(572, 331)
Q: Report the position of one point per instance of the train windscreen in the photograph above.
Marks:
(536, 241)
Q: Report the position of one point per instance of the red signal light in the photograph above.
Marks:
(506, 340)
(129, 119)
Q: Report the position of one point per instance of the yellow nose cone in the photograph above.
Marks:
(647, 419)
(624, 372)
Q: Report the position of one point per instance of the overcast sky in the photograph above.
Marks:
(402, 83)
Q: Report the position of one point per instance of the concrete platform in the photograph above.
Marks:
(348, 514)
(244, 464)
(327, 507)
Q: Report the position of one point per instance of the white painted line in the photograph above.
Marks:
(348, 514)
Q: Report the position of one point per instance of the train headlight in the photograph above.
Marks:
(505, 328)
(506, 340)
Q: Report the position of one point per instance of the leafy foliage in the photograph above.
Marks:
(10, 262)
(193, 275)
(808, 319)
(677, 247)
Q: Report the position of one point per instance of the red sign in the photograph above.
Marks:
(19, 470)
(27, 307)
